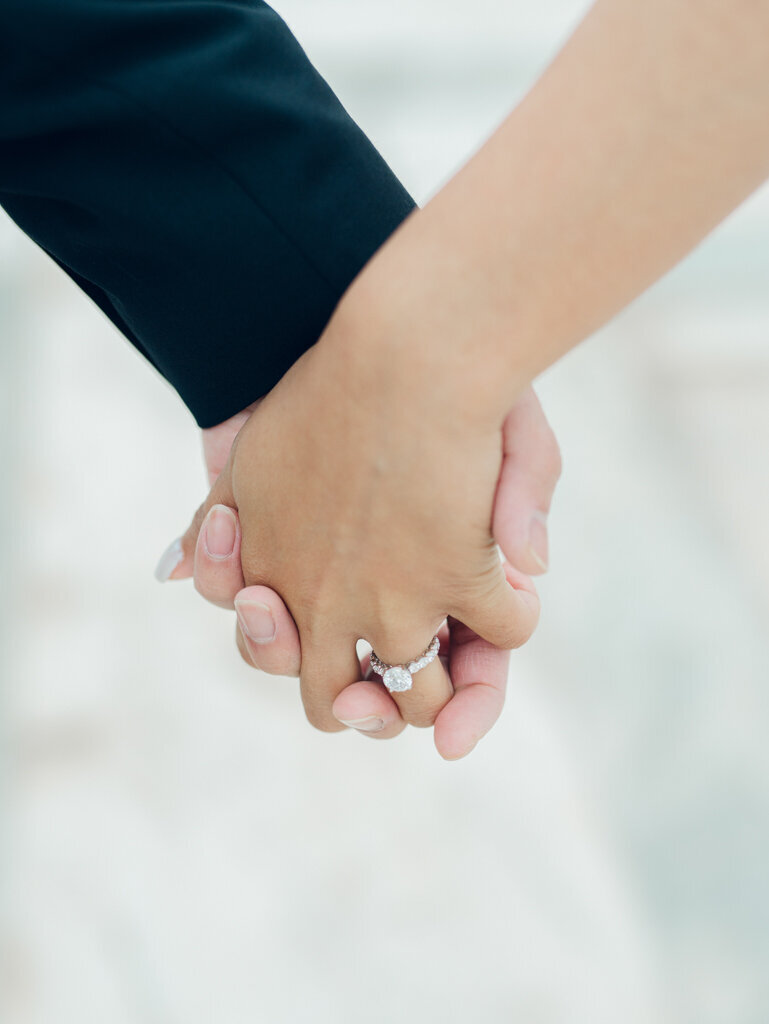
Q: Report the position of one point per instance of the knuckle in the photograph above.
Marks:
(520, 634)
(483, 590)
(510, 636)
(514, 640)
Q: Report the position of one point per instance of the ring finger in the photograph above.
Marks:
(430, 688)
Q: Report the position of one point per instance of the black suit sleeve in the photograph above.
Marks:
(186, 165)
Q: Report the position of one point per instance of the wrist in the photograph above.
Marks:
(418, 323)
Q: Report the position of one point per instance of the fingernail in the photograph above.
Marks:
(538, 540)
(219, 528)
(169, 560)
(256, 621)
(370, 724)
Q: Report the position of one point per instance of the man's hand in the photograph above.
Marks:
(267, 636)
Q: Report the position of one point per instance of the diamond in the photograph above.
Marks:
(397, 679)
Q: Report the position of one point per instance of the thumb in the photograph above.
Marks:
(506, 612)
(531, 465)
(178, 560)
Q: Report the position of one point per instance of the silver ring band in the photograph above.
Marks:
(397, 678)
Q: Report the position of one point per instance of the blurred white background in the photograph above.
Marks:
(181, 847)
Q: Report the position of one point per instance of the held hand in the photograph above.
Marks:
(478, 671)
(341, 490)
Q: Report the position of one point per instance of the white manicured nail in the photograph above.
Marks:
(169, 560)
(370, 724)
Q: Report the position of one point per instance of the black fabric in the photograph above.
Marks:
(186, 165)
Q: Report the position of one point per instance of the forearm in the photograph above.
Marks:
(647, 130)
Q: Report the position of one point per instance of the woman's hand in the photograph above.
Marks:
(345, 482)
(478, 671)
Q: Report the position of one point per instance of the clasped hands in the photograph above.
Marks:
(355, 501)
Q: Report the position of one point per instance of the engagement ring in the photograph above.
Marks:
(397, 678)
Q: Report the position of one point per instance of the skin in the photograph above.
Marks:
(647, 130)
(644, 133)
(530, 470)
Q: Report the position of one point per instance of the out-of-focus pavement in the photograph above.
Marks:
(181, 847)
